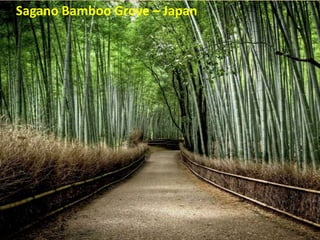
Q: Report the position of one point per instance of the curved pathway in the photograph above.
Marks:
(164, 201)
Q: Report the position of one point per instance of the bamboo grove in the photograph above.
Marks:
(246, 79)
(239, 80)
(263, 105)
(74, 76)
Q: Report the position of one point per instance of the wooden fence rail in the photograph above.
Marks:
(296, 202)
(22, 214)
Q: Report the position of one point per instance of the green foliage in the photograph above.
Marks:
(214, 78)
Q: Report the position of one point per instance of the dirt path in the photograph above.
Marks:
(164, 201)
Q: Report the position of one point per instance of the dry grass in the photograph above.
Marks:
(135, 138)
(305, 205)
(32, 162)
(284, 174)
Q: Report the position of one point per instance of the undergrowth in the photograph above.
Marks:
(32, 162)
(283, 174)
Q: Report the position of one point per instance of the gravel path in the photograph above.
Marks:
(165, 201)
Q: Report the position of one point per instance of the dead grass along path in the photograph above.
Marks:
(165, 201)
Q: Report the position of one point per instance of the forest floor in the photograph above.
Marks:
(163, 200)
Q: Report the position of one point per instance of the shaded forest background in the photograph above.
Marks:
(240, 80)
